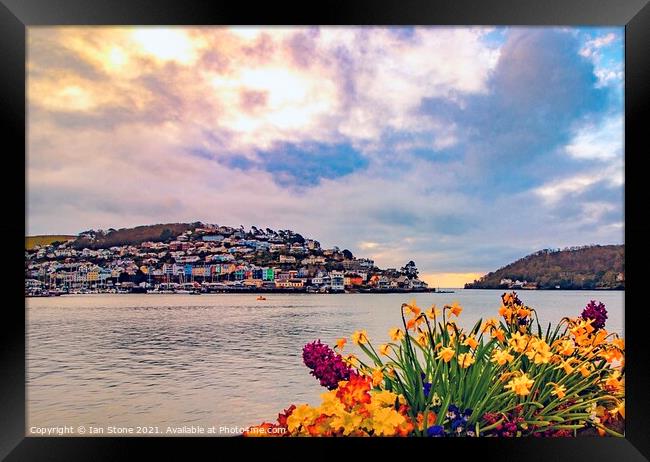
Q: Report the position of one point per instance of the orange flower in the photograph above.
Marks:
(412, 308)
(454, 308)
(505, 312)
(410, 324)
(501, 357)
(566, 365)
(558, 390)
(471, 342)
(566, 347)
(492, 323)
(340, 343)
(354, 391)
(520, 385)
(377, 377)
(431, 420)
(499, 335)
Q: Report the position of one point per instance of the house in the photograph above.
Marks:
(337, 281)
(287, 259)
(290, 283)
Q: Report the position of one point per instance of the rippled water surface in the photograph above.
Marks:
(214, 360)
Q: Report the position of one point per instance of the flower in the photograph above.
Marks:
(518, 342)
(426, 388)
(540, 352)
(501, 357)
(520, 385)
(596, 312)
(396, 334)
(558, 390)
(301, 416)
(566, 347)
(411, 323)
(412, 308)
(360, 337)
(340, 343)
(325, 364)
(446, 354)
(384, 349)
(613, 383)
(386, 420)
(619, 409)
(348, 422)
(499, 335)
(492, 323)
(471, 342)
(436, 431)
(454, 308)
(566, 365)
(354, 391)
(465, 360)
(432, 312)
(377, 377)
(422, 339)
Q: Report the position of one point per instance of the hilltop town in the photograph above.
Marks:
(202, 258)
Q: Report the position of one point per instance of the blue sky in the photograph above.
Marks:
(460, 148)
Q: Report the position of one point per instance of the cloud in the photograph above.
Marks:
(459, 148)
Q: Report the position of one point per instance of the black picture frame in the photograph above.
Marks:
(17, 15)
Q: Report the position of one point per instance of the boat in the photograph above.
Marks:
(261, 298)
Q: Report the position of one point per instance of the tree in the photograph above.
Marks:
(166, 234)
(347, 254)
(410, 270)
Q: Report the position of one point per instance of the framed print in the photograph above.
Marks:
(375, 226)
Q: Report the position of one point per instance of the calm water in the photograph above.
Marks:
(215, 360)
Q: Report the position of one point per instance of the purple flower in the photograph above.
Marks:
(597, 312)
(436, 431)
(325, 364)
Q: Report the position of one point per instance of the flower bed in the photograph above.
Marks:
(504, 377)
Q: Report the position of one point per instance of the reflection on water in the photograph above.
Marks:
(214, 360)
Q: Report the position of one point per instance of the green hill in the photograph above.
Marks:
(589, 267)
(45, 239)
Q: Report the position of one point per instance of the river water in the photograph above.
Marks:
(223, 361)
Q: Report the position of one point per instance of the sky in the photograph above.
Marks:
(462, 149)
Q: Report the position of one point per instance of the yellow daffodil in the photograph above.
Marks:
(340, 343)
(471, 342)
(541, 352)
(492, 323)
(465, 360)
(377, 377)
(350, 360)
(566, 347)
(384, 349)
(422, 339)
(433, 312)
(454, 309)
(619, 409)
(446, 354)
(614, 383)
(567, 365)
(412, 308)
(619, 343)
(558, 390)
(501, 357)
(520, 385)
(584, 370)
(396, 334)
(360, 337)
(518, 342)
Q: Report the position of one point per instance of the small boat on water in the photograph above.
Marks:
(261, 298)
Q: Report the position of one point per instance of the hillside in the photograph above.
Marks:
(590, 267)
(45, 239)
(130, 236)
